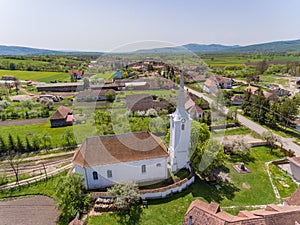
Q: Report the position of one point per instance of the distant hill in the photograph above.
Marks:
(277, 46)
(18, 50)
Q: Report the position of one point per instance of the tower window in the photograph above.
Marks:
(95, 175)
(109, 173)
(190, 220)
(158, 165)
(182, 126)
(143, 168)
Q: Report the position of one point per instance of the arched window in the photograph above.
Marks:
(190, 220)
(143, 168)
(182, 126)
(109, 173)
(158, 165)
(95, 175)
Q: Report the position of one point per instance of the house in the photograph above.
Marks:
(8, 78)
(63, 116)
(294, 199)
(295, 167)
(224, 82)
(95, 95)
(297, 124)
(139, 157)
(144, 102)
(143, 85)
(193, 109)
(117, 75)
(237, 100)
(252, 89)
(77, 74)
(202, 213)
(210, 86)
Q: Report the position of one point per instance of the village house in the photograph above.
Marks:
(237, 100)
(77, 74)
(210, 86)
(8, 78)
(202, 213)
(63, 116)
(224, 82)
(95, 95)
(295, 167)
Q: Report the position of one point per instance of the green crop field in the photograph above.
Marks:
(37, 75)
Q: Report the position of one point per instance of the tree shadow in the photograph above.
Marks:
(245, 158)
(212, 193)
(130, 217)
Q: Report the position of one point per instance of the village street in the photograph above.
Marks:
(288, 144)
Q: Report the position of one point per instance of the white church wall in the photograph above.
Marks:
(156, 169)
(166, 193)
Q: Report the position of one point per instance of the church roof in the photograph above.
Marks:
(112, 149)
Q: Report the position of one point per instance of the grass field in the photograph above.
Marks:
(245, 189)
(37, 75)
(80, 131)
(106, 75)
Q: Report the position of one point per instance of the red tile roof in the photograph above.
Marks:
(111, 149)
(61, 113)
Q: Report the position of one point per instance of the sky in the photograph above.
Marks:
(98, 25)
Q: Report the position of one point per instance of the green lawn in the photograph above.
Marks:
(37, 75)
(105, 75)
(245, 189)
(283, 181)
(43, 187)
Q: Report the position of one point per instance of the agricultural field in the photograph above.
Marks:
(37, 75)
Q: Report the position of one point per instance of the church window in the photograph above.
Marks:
(95, 175)
(182, 126)
(109, 173)
(143, 168)
(158, 165)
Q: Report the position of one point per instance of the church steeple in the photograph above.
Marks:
(180, 109)
(180, 132)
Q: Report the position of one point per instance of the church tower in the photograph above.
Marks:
(180, 132)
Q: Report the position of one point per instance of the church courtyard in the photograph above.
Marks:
(253, 189)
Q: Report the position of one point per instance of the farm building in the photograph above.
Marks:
(8, 77)
(63, 116)
(95, 95)
(60, 87)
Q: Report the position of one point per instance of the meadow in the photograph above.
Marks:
(37, 75)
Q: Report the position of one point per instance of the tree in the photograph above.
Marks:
(109, 96)
(11, 144)
(14, 162)
(270, 138)
(68, 196)
(28, 145)
(3, 146)
(69, 138)
(17, 84)
(127, 201)
(262, 66)
(288, 111)
(240, 146)
(86, 83)
(36, 142)
(20, 145)
(46, 141)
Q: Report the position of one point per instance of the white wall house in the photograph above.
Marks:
(295, 167)
(132, 157)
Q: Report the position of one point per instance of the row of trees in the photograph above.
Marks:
(259, 108)
(14, 145)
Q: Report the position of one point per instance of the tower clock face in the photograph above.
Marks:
(183, 120)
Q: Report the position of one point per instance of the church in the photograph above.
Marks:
(139, 157)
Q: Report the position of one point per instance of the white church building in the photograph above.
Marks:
(139, 157)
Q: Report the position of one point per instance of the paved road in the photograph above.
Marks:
(287, 143)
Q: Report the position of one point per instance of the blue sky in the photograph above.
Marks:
(104, 25)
